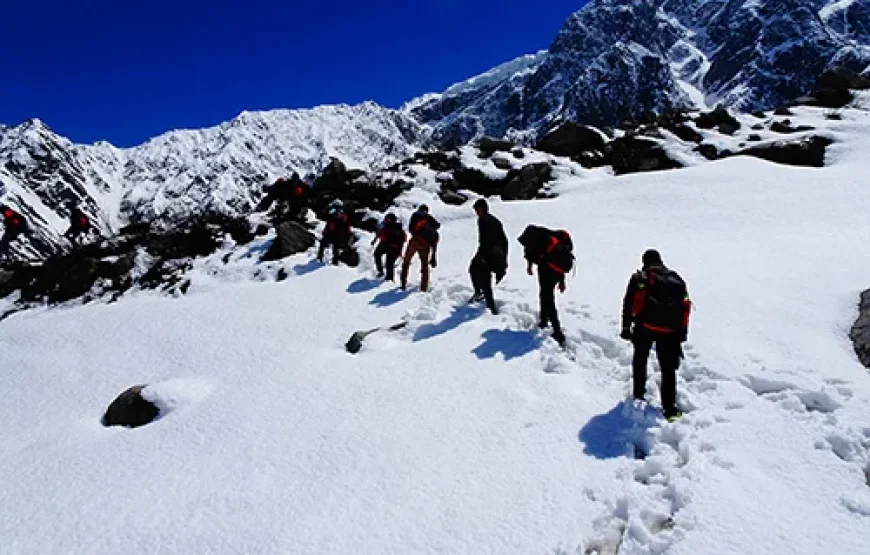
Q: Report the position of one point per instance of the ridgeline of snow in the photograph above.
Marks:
(617, 60)
(222, 168)
(467, 432)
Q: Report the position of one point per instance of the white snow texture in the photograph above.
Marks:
(466, 432)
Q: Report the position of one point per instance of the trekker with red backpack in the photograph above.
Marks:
(79, 224)
(656, 310)
(552, 251)
(423, 243)
(15, 225)
(336, 233)
(390, 238)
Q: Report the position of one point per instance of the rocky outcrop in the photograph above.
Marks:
(528, 182)
(131, 410)
(860, 333)
(571, 140)
(808, 152)
(634, 154)
(291, 238)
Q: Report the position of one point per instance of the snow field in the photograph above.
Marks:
(467, 432)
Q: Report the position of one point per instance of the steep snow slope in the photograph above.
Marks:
(615, 60)
(471, 433)
(182, 173)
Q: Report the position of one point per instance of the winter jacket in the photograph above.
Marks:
(78, 220)
(14, 221)
(646, 314)
(425, 227)
(492, 242)
(392, 235)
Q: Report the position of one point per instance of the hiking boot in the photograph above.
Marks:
(476, 298)
(492, 308)
(672, 415)
(380, 274)
(559, 337)
(543, 325)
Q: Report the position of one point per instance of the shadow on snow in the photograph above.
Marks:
(460, 315)
(510, 343)
(308, 267)
(620, 432)
(362, 285)
(389, 298)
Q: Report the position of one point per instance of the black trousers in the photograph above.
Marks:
(338, 245)
(669, 352)
(392, 254)
(481, 280)
(548, 279)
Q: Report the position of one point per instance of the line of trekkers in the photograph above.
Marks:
(15, 225)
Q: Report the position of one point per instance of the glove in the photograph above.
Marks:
(562, 287)
(684, 336)
(530, 271)
(499, 276)
(626, 334)
(433, 262)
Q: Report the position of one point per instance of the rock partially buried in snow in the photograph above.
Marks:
(131, 410)
(860, 334)
(292, 238)
(570, 139)
(809, 152)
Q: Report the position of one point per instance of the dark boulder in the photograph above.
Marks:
(527, 182)
(686, 133)
(518, 153)
(571, 139)
(488, 146)
(783, 111)
(834, 88)
(131, 410)
(719, 119)
(860, 333)
(808, 152)
(438, 161)
(785, 127)
(449, 196)
(476, 181)
(633, 154)
(754, 138)
(291, 238)
(708, 151)
(502, 163)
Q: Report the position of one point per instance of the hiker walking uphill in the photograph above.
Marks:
(656, 310)
(491, 256)
(290, 194)
(423, 243)
(79, 225)
(15, 225)
(552, 251)
(390, 238)
(336, 234)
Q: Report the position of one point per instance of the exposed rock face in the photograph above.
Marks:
(860, 333)
(131, 410)
(809, 152)
(618, 60)
(291, 238)
(572, 140)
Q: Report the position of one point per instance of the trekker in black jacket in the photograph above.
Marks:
(79, 225)
(552, 251)
(656, 310)
(15, 225)
(390, 238)
(491, 256)
(337, 232)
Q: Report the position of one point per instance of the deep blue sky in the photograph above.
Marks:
(126, 70)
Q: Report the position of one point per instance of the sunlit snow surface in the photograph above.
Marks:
(467, 432)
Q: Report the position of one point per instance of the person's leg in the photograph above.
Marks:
(668, 353)
(324, 242)
(425, 251)
(642, 344)
(410, 252)
(543, 296)
(380, 251)
(392, 255)
(485, 281)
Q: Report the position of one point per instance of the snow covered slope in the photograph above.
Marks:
(181, 173)
(617, 60)
(466, 432)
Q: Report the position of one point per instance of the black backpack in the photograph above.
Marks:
(665, 300)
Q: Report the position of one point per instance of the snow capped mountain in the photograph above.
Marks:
(618, 60)
(186, 172)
